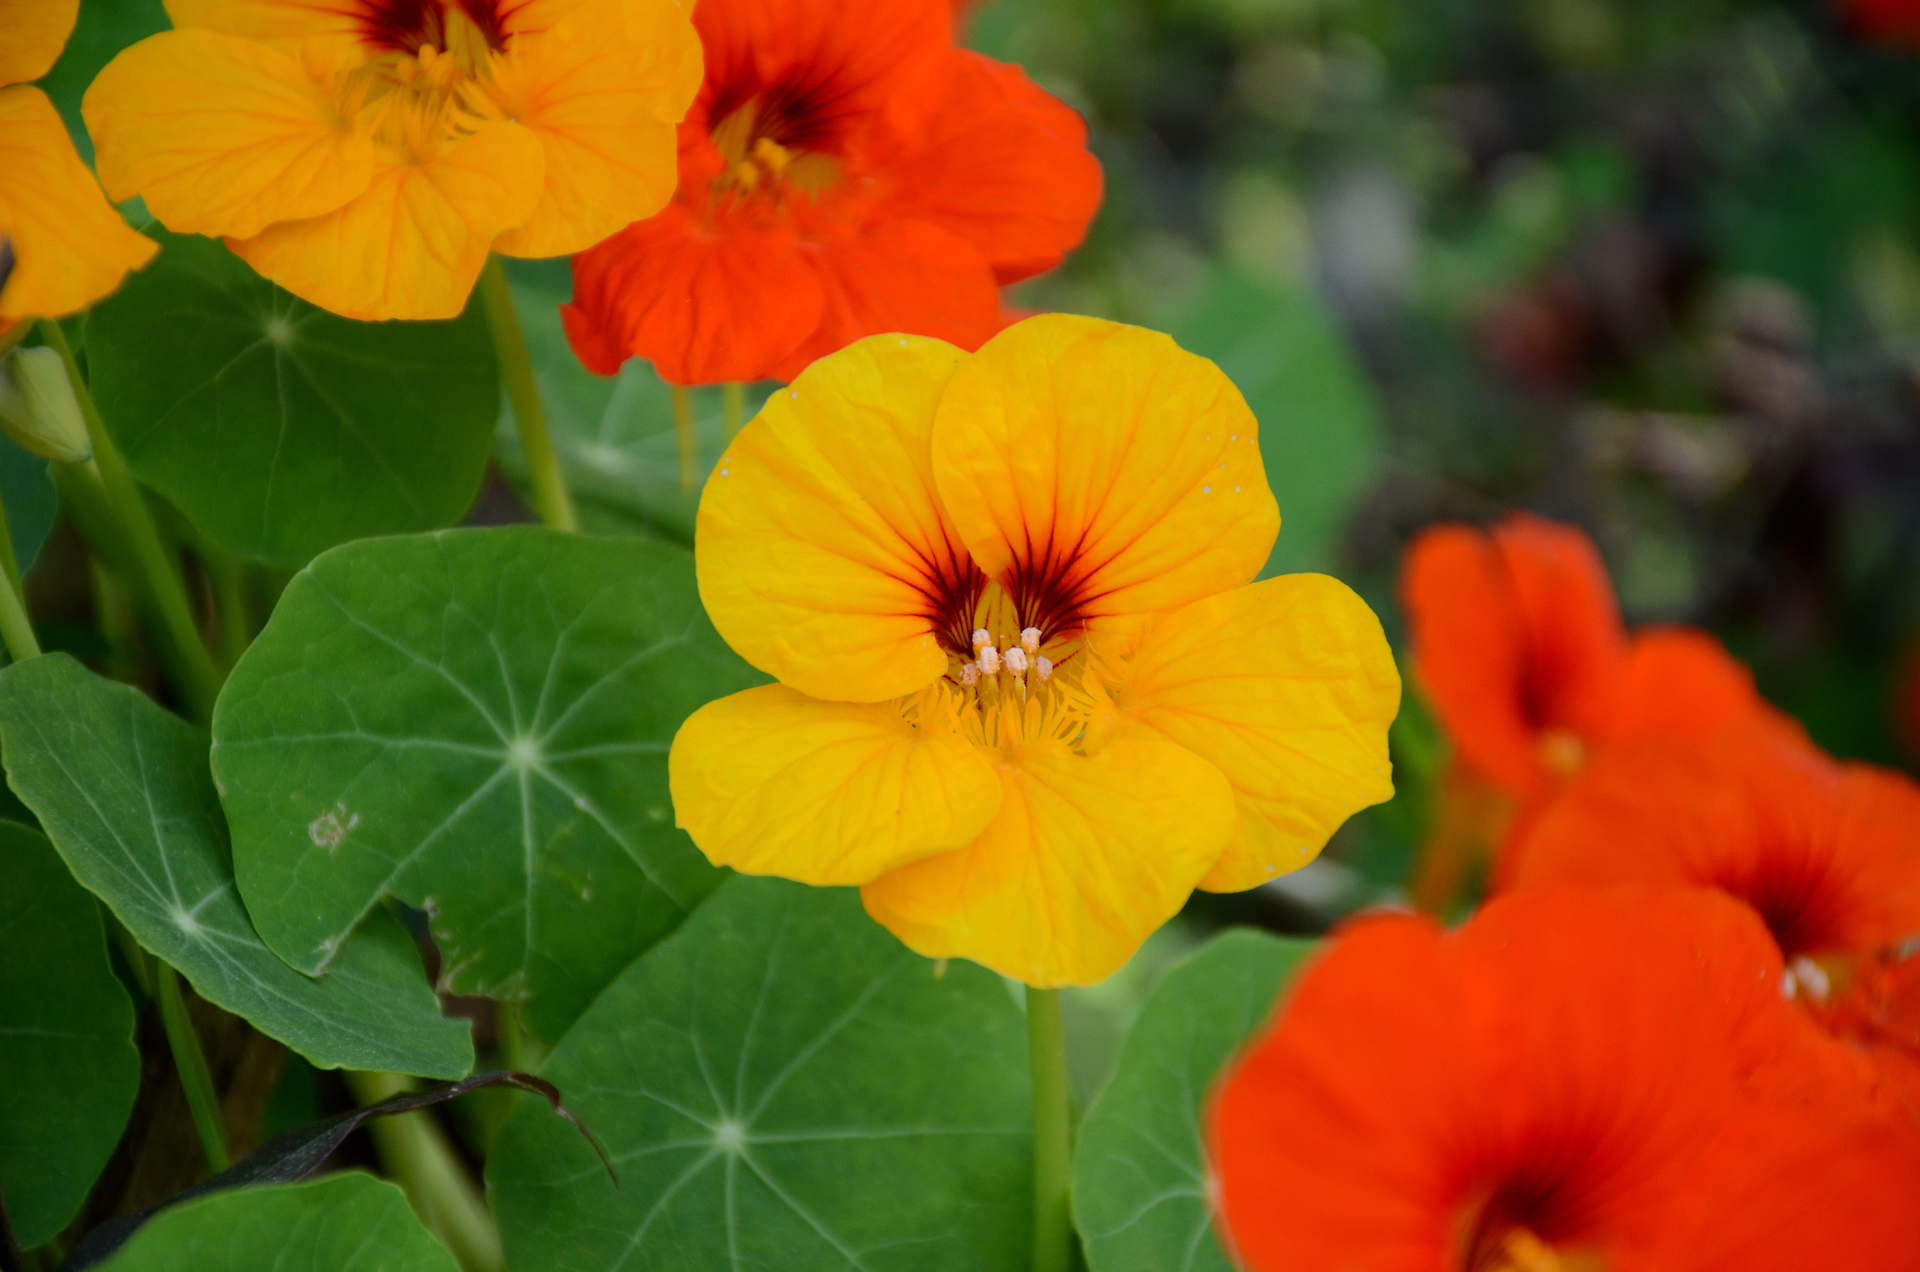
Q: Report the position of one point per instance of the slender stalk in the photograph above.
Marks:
(15, 627)
(9, 560)
(683, 433)
(157, 573)
(419, 1158)
(228, 574)
(1052, 1214)
(733, 407)
(192, 1066)
(550, 497)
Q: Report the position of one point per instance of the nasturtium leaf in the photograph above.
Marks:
(278, 428)
(123, 790)
(1140, 1182)
(68, 1068)
(349, 1222)
(30, 501)
(1320, 429)
(614, 434)
(476, 722)
(780, 1085)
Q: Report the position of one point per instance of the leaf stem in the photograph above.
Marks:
(1052, 1181)
(228, 574)
(419, 1158)
(683, 433)
(733, 407)
(550, 497)
(15, 627)
(157, 573)
(191, 1063)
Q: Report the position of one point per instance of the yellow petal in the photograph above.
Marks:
(223, 135)
(770, 781)
(70, 248)
(412, 244)
(1098, 470)
(35, 32)
(1086, 857)
(1285, 686)
(271, 19)
(823, 556)
(603, 90)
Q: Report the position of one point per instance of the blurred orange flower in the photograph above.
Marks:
(846, 171)
(367, 154)
(62, 246)
(1576, 1079)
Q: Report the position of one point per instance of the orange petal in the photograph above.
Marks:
(770, 781)
(224, 135)
(1099, 471)
(412, 244)
(1287, 687)
(272, 19)
(898, 276)
(603, 90)
(1087, 856)
(36, 31)
(823, 556)
(704, 306)
(1681, 683)
(70, 247)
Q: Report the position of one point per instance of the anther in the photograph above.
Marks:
(1017, 661)
(969, 674)
(1030, 639)
(982, 637)
(1043, 667)
(989, 659)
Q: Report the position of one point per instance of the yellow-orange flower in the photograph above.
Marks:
(1028, 698)
(368, 154)
(62, 246)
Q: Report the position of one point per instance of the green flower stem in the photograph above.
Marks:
(192, 1066)
(419, 1158)
(9, 560)
(156, 572)
(733, 406)
(228, 574)
(15, 627)
(550, 497)
(1052, 1214)
(683, 433)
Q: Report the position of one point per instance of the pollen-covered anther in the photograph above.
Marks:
(1042, 666)
(1016, 660)
(1030, 640)
(981, 636)
(969, 674)
(988, 658)
(1805, 975)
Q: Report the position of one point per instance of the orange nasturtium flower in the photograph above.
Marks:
(62, 246)
(366, 155)
(845, 171)
(1029, 699)
(1577, 1080)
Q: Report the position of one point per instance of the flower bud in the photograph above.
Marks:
(38, 408)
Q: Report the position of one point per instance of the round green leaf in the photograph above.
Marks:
(343, 1223)
(278, 428)
(1140, 1185)
(780, 1085)
(123, 791)
(68, 1068)
(476, 722)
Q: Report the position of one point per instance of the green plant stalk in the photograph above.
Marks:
(550, 497)
(9, 560)
(733, 407)
(157, 573)
(228, 574)
(419, 1158)
(683, 433)
(1052, 1180)
(15, 627)
(191, 1063)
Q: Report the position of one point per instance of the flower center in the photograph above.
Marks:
(432, 87)
(764, 144)
(407, 26)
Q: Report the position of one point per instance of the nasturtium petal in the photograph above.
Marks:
(823, 553)
(225, 136)
(411, 245)
(1105, 462)
(780, 1086)
(66, 1035)
(603, 90)
(1086, 857)
(271, 19)
(1286, 686)
(36, 32)
(1142, 1186)
(770, 781)
(70, 247)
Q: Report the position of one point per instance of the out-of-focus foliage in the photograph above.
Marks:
(1649, 267)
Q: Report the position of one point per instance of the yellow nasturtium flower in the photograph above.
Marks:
(367, 154)
(1028, 698)
(62, 246)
